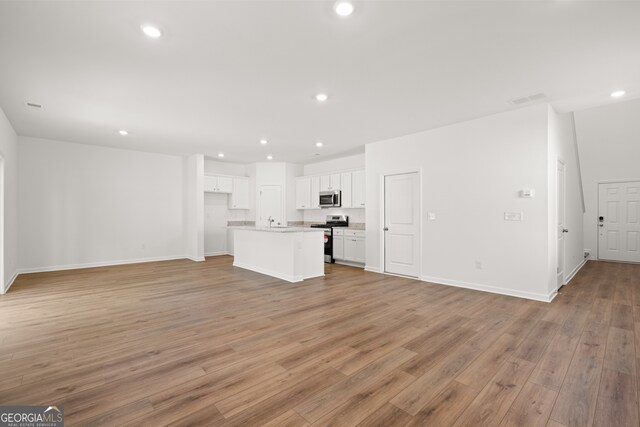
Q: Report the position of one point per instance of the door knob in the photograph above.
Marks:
(386, 229)
(564, 230)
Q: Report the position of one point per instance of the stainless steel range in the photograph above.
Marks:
(332, 221)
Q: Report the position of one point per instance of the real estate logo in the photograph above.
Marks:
(31, 416)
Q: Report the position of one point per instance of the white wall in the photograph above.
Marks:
(335, 165)
(194, 207)
(224, 168)
(90, 205)
(9, 151)
(340, 164)
(471, 173)
(609, 141)
(563, 147)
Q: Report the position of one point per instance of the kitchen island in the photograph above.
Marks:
(289, 253)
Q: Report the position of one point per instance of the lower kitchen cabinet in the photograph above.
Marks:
(354, 249)
(349, 245)
(338, 247)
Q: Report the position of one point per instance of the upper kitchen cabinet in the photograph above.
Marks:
(239, 198)
(218, 184)
(351, 184)
(358, 189)
(303, 193)
(315, 192)
(347, 194)
(330, 182)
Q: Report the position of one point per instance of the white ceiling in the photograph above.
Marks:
(228, 73)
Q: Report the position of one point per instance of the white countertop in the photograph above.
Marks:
(276, 229)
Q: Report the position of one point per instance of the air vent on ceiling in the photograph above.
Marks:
(34, 105)
(528, 99)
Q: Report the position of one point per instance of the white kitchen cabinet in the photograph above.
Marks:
(330, 182)
(303, 193)
(225, 184)
(354, 249)
(218, 184)
(338, 248)
(210, 183)
(315, 192)
(349, 245)
(345, 185)
(239, 198)
(358, 189)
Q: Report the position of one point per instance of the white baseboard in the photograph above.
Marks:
(98, 264)
(371, 269)
(218, 253)
(575, 271)
(350, 264)
(288, 278)
(195, 259)
(9, 283)
(493, 289)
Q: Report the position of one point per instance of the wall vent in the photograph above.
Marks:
(528, 99)
(34, 105)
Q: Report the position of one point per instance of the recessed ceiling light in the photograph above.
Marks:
(221, 155)
(343, 8)
(263, 141)
(269, 157)
(123, 132)
(617, 94)
(151, 31)
(321, 97)
(319, 144)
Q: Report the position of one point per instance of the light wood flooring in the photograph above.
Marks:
(183, 343)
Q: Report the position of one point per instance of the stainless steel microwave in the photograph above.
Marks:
(330, 199)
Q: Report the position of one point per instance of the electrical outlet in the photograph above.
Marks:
(513, 216)
(478, 265)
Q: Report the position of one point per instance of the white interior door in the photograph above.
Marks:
(270, 205)
(402, 224)
(561, 223)
(619, 221)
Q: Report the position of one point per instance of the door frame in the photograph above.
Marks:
(560, 163)
(596, 256)
(381, 234)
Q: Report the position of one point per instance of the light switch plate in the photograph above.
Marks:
(513, 216)
(431, 216)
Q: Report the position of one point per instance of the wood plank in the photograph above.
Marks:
(371, 398)
(554, 363)
(315, 408)
(478, 373)
(288, 419)
(617, 400)
(495, 399)
(576, 400)
(620, 354)
(413, 398)
(446, 407)
(531, 408)
(386, 416)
